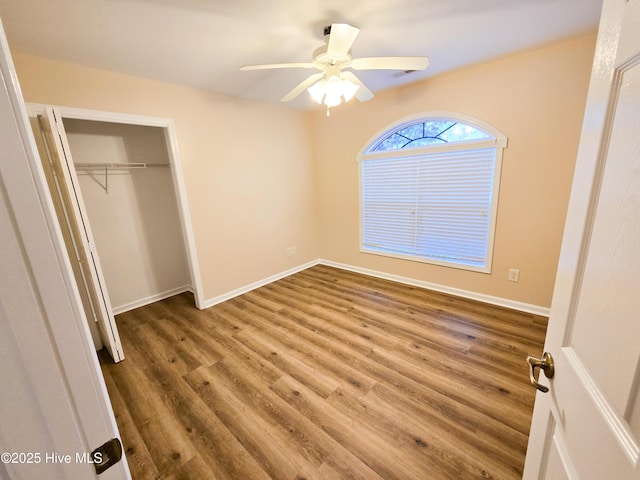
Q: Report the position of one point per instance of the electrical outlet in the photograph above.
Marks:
(291, 250)
(514, 275)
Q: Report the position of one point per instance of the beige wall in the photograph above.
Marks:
(257, 174)
(247, 166)
(536, 99)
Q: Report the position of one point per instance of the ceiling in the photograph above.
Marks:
(202, 43)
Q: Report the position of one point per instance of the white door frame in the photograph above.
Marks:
(171, 139)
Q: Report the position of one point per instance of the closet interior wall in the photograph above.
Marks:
(133, 212)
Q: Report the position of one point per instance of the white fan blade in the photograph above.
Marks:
(390, 63)
(302, 87)
(277, 65)
(341, 38)
(363, 94)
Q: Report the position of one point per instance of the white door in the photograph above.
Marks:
(588, 425)
(54, 405)
(82, 251)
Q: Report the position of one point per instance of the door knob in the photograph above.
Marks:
(545, 364)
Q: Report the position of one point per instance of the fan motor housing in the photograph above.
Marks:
(321, 57)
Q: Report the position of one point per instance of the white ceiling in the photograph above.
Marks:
(202, 43)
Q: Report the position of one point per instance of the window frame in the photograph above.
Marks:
(499, 142)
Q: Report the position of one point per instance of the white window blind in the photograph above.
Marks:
(434, 206)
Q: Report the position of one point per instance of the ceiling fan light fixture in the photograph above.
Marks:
(349, 89)
(331, 91)
(332, 100)
(317, 91)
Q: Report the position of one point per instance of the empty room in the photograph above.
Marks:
(320, 240)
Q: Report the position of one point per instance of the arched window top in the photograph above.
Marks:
(423, 133)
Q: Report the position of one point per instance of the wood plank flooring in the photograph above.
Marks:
(323, 375)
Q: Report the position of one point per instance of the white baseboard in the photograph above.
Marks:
(481, 297)
(260, 283)
(150, 299)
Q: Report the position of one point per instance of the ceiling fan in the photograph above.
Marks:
(333, 85)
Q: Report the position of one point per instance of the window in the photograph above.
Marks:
(429, 191)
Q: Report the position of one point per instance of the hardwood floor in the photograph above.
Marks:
(325, 374)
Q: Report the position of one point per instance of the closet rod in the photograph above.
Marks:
(116, 166)
(105, 167)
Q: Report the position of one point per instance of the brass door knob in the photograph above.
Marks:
(545, 364)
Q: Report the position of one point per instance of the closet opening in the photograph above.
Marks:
(118, 190)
